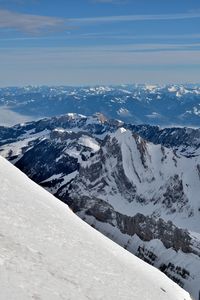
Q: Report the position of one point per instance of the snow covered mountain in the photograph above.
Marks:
(146, 198)
(49, 253)
(182, 139)
(143, 195)
(157, 180)
(158, 105)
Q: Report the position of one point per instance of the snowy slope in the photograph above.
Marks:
(49, 253)
(146, 198)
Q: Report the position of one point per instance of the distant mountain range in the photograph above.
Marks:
(137, 184)
(139, 104)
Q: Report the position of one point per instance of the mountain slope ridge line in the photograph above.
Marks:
(61, 255)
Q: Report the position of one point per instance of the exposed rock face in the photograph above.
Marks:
(41, 167)
(145, 227)
(159, 243)
(122, 169)
(143, 196)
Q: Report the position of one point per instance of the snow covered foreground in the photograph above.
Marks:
(47, 252)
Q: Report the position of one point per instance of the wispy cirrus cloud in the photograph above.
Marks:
(35, 24)
(137, 18)
(125, 36)
(111, 36)
(29, 23)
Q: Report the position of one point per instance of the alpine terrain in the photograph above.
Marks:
(166, 105)
(137, 184)
(49, 253)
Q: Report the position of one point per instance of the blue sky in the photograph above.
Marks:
(81, 42)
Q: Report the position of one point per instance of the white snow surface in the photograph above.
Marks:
(189, 262)
(89, 142)
(47, 252)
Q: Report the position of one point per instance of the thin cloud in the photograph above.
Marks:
(111, 36)
(88, 65)
(124, 36)
(29, 23)
(134, 18)
(122, 51)
(35, 24)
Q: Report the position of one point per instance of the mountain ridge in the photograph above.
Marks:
(42, 240)
(142, 195)
(169, 105)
